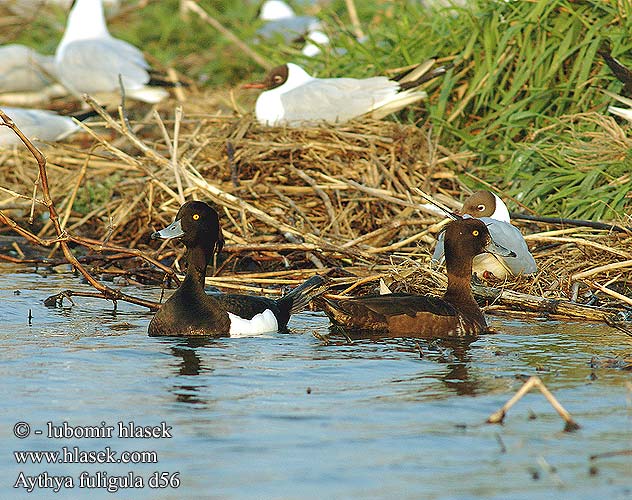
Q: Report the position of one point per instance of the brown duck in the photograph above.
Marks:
(401, 314)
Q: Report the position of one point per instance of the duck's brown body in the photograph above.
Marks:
(401, 314)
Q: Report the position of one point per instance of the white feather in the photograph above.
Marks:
(622, 112)
(264, 322)
(500, 211)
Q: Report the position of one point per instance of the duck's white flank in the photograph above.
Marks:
(264, 322)
(500, 212)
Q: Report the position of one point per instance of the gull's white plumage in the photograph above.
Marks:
(303, 99)
(90, 60)
(37, 124)
(25, 76)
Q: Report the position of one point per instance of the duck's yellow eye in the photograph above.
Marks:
(196, 216)
(475, 232)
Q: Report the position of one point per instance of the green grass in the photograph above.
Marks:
(522, 70)
(95, 193)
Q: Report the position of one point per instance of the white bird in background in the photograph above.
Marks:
(314, 40)
(36, 124)
(273, 10)
(488, 207)
(281, 20)
(26, 8)
(25, 76)
(89, 60)
(294, 98)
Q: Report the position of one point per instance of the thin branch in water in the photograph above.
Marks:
(609, 454)
(499, 416)
(62, 237)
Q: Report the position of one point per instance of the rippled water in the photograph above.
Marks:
(288, 416)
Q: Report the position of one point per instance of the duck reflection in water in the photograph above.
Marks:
(454, 353)
(190, 364)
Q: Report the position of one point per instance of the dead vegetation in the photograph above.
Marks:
(293, 202)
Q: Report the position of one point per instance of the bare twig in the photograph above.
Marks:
(174, 153)
(601, 269)
(571, 222)
(62, 236)
(499, 416)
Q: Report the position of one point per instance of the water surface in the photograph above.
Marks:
(287, 416)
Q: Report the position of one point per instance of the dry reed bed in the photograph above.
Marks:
(296, 202)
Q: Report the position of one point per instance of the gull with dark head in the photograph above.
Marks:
(490, 209)
(294, 98)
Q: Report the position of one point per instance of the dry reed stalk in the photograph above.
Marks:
(578, 241)
(304, 198)
(355, 20)
(612, 293)
(62, 237)
(601, 269)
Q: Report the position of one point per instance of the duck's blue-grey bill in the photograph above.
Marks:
(173, 230)
(495, 248)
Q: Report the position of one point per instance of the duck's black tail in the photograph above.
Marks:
(297, 299)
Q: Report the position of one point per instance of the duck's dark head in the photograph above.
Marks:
(465, 238)
(197, 225)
